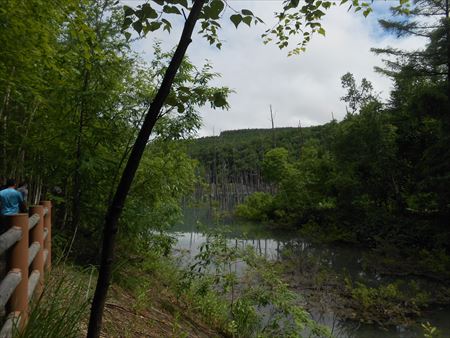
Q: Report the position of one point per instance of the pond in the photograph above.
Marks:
(341, 260)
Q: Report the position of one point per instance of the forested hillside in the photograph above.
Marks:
(231, 163)
(380, 177)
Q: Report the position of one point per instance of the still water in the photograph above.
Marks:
(270, 243)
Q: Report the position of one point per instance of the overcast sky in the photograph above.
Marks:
(303, 88)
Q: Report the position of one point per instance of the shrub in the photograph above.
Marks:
(256, 207)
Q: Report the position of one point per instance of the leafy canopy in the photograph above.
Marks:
(296, 21)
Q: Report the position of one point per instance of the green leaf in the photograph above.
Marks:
(215, 9)
(180, 108)
(171, 10)
(367, 11)
(184, 3)
(236, 19)
(247, 12)
(318, 13)
(184, 89)
(153, 26)
(128, 10)
(183, 98)
(321, 30)
(219, 100)
(126, 23)
(247, 20)
(137, 26)
(127, 35)
(167, 25)
(149, 12)
(171, 100)
(293, 4)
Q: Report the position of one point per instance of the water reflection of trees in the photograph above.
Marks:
(343, 260)
(314, 271)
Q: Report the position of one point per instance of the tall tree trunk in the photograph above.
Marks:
(76, 192)
(273, 127)
(4, 127)
(447, 30)
(115, 209)
(20, 163)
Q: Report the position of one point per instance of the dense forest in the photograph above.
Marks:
(70, 108)
(78, 105)
(379, 177)
(377, 180)
(231, 163)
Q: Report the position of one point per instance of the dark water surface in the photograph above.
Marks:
(342, 260)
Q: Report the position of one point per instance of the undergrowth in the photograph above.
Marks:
(61, 308)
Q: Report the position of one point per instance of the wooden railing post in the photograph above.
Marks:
(48, 239)
(37, 235)
(19, 260)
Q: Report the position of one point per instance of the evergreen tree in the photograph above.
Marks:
(428, 19)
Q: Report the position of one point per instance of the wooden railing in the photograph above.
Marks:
(27, 247)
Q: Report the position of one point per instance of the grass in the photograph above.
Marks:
(61, 308)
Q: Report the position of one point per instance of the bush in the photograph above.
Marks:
(256, 207)
(255, 303)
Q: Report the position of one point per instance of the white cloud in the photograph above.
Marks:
(302, 88)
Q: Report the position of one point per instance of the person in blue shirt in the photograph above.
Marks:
(11, 200)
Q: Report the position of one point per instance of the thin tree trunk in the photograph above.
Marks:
(76, 193)
(115, 209)
(20, 164)
(127, 150)
(447, 30)
(66, 207)
(273, 127)
(4, 119)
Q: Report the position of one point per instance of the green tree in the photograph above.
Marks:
(28, 60)
(428, 19)
(295, 18)
(275, 164)
(365, 152)
(357, 96)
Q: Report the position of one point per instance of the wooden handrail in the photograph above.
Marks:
(33, 220)
(8, 285)
(33, 250)
(11, 322)
(18, 286)
(33, 281)
(9, 238)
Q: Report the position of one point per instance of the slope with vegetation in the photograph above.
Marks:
(232, 163)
